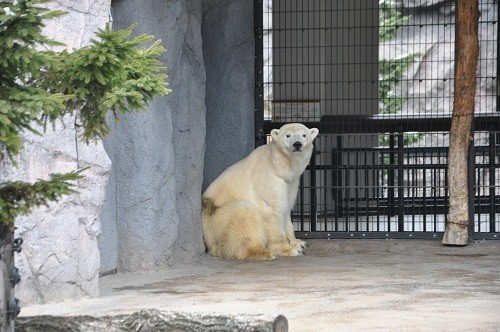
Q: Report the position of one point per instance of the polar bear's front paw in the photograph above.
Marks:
(297, 251)
(300, 251)
(291, 252)
(298, 244)
(284, 249)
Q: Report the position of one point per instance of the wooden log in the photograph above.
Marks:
(466, 54)
(151, 320)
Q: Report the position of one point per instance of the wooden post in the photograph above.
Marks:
(466, 54)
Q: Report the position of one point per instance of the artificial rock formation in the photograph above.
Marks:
(147, 217)
(60, 256)
(228, 53)
(154, 201)
(152, 215)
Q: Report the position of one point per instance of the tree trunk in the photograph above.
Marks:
(466, 54)
(6, 288)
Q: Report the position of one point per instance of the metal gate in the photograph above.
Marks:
(376, 77)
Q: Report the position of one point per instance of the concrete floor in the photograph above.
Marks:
(339, 285)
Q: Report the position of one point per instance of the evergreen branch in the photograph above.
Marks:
(114, 72)
(19, 198)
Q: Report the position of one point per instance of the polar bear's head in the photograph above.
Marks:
(294, 137)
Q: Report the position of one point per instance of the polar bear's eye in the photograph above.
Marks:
(288, 135)
(304, 135)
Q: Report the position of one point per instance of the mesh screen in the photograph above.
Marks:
(376, 77)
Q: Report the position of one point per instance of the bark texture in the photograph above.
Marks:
(6, 288)
(466, 50)
(151, 320)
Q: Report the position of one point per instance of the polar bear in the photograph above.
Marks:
(246, 210)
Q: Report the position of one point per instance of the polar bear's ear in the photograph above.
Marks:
(274, 134)
(314, 132)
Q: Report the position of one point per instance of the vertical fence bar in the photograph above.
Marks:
(400, 180)
(301, 199)
(424, 193)
(314, 208)
(492, 177)
(390, 180)
(471, 167)
(498, 60)
(258, 11)
(496, 134)
(337, 178)
(446, 187)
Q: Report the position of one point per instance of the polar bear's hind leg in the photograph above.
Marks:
(243, 236)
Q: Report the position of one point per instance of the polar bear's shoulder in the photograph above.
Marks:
(241, 172)
(257, 158)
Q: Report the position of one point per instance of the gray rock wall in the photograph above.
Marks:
(60, 257)
(151, 217)
(228, 50)
(158, 154)
(151, 207)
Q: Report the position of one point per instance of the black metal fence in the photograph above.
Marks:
(376, 77)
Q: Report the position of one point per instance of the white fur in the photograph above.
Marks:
(246, 210)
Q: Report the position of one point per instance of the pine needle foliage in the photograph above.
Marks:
(390, 20)
(392, 71)
(22, 99)
(116, 73)
(19, 198)
(113, 73)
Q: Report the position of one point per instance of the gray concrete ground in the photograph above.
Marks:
(339, 285)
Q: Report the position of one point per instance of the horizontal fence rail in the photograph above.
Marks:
(394, 190)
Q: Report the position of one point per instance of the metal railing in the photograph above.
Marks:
(394, 189)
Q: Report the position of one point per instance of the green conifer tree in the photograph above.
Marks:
(391, 71)
(38, 86)
(116, 73)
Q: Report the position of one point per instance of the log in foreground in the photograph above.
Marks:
(151, 320)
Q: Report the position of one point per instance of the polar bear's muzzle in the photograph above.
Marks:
(297, 146)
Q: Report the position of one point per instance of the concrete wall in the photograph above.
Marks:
(324, 51)
(228, 50)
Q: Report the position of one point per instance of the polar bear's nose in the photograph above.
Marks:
(297, 145)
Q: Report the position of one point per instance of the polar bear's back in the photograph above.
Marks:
(236, 181)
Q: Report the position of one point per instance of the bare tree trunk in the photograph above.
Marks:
(6, 288)
(466, 54)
